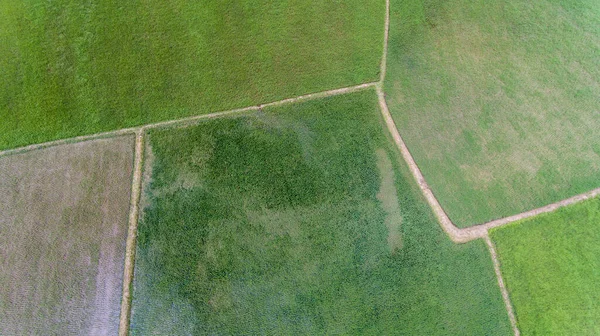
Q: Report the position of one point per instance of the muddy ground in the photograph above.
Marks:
(63, 227)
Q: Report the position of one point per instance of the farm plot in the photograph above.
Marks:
(498, 102)
(69, 67)
(63, 225)
(551, 265)
(300, 220)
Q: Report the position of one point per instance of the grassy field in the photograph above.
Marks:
(300, 220)
(498, 101)
(63, 225)
(76, 67)
(551, 265)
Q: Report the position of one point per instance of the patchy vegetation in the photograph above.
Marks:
(279, 222)
(498, 102)
(551, 265)
(70, 67)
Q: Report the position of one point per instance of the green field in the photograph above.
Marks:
(77, 67)
(300, 220)
(551, 265)
(63, 225)
(498, 101)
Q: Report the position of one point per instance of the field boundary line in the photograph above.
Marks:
(541, 210)
(322, 94)
(187, 120)
(386, 36)
(191, 121)
(456, 234)
(501, 284)
(136, 186)
(81, 138)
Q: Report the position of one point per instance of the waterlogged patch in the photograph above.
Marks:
(277, 243)
(389, 200)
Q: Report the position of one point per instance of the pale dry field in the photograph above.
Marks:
(63, 226)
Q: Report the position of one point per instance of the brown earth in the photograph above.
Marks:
(63, 224)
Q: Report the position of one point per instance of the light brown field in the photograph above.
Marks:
(63, 225)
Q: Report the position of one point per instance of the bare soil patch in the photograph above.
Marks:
(63, 224)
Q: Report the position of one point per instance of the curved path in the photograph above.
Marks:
(464, 235)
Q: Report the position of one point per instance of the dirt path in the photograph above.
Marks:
(188, 120)
(136, 186)
(456, 234)
(386, 37)
(310, 96)
(82, 138)
(468, 234)
(538, 211)
(505, 297)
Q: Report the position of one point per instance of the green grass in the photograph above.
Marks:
(498, 101)
(300, 220)
(77, 67)
(551, 265)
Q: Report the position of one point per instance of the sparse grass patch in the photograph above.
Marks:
(498, 101)
(551, 265)
(77, 67)
(300, 220)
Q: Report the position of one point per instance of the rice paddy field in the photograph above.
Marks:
(71, 67)
(300, 219)
(551, 265)
(498, 101)
(63, 225)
